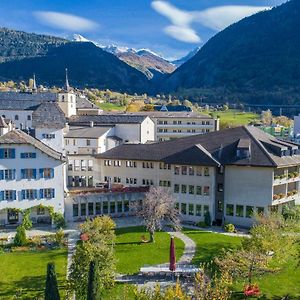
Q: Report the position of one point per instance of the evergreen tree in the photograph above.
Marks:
(207, 218)
(51, 290)
(20, 237)
(92, 292)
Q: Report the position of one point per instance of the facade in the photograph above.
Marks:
(31, 176)
(231, 173)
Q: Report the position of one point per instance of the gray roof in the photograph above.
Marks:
(82, 103)
(48, 115)
(107, 119)
(167, 114)
(213, 148)
(87, 132)
(19, 137)
(24, 101)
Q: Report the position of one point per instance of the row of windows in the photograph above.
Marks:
(242, 211)
(180, 130)
(10, 174)
(6, 153)
(80, 181)
(29, 194)
(191, 189)
(180, 123)
(189, 170)
(48, 136)
(17, 117)
(192, 209)
(67, 142)
(100, 208)
(80, 165)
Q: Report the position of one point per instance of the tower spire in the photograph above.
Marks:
(67, 86)
(34, 87)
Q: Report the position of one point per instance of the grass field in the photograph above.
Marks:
(273, 286)
(111, 107)
(24, 273)
(132, 253)
(233, 118)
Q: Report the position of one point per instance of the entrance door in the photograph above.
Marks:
(12, 216)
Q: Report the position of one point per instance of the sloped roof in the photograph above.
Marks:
(84, 103)
(48, 114)
(18, 137)
(211, 148)
(24, 101)
(87, 132)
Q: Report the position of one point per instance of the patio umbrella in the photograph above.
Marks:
(172, 266)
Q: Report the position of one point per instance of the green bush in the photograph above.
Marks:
(201, 224)
(207, 218)
(59, 237)
(20, 237)
(58, 220)
(229, 228)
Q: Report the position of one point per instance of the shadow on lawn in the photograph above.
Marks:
(129, 243)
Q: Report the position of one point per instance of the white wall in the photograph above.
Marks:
(22, 117)
(57, 143)
(67, 103)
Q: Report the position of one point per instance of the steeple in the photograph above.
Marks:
(67, 86)
(34, 88)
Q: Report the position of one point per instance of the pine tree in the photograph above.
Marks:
(92, 292)
(20, 237)
(51, 290)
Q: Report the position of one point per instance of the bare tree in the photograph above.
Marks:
(158, 206)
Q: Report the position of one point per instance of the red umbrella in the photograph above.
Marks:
(172, 266)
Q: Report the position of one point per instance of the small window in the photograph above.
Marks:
(28, 118)
(239, 211)
(83, 209)
(75, 210)
(191, 209)
(183, 208)
(229, 209)
(176, 188)
(191, 171)
(199, 190)
(183, 189)
(198, 210)
(206, 191)
(176, 170)
(16, 117)
(88, 142)
(191, 189)
(260, 210)
(40, 211)
(220, 187)
(249, 211)
(184, 170)
(206, 171)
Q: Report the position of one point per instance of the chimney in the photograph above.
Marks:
(91, 124)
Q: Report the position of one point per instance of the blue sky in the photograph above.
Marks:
(169, 27)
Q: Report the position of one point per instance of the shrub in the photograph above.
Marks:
(201, 224)
(59, 237)
(20, 237)
(58, 220)
(229, 228)
(51, 290)
(207, 218)
(26, 222)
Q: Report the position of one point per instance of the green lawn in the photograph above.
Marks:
(25, 273)
(233, 118)
(106, 106)
(132, 254)
(273, 286)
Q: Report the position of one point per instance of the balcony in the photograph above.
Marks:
(286, 178)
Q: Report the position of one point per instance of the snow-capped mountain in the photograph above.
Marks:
(144, 60)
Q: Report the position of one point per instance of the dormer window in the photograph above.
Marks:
(243, 148)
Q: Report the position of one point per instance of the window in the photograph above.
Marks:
(112, 207)
(83, 165)
(47, 193)
(148, 182)
(46, 173)
(147, 165)
(130, 164)
(249, 211)
(88, 142)
(176, 170)
(90, 181)
(191, 209)
(176, 188)
(75, 210)
(198, 210)
(70, 165)
(177, 206)
(76, 165)
(260, 210)
(117, 179)
(8, 174)
(229, 209)
(184, 170)
(220, 187)
(83, 209)
(7, 153)
(239, 211)
(206, 191)
(117, 163)
(126, 206)
(164, 166)
(206, 171)
(90, 165)
(28, 155)
(165, 183)
(183, 208)
(98, 208)
(29, 194)
(28, 118)
(28, 173)
(8, 195)
(191, 171)
(191, 189)
(16, 117)
(48, 136)
(199, 190)
(131, 180)
(40, 211)
(183, 189)
(199, 171)
(206, 208)
(119, 206)
(90, 208)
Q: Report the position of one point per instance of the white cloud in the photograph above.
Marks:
(216, 18)
(65, 21)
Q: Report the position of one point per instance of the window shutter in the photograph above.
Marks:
(35, 194)
(34, 155)
(1, 153)
(13, 153)
(41, 171)
(1, 174)
(14, 195)
(41, 193)
(1, 195)
(53, 193)
(23, 194)
(14, 174)
(22, 155)
(22, 173)
(34, 173)
(52, 173)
